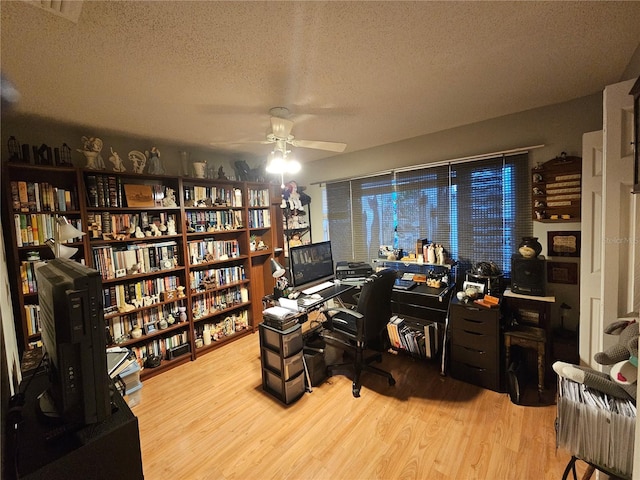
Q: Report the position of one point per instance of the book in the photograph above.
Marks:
(115, 358)
(23, 196)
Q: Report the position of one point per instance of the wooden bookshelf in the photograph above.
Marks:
(155, 240)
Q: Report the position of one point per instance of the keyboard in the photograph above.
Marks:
(317, 288)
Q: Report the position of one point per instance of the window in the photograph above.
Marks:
(478, 210)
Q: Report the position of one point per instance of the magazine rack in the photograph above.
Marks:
(596, 429)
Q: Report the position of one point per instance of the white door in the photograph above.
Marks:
(619, 287)
(591, 248)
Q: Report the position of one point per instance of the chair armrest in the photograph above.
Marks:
(330, 313)
(335, 310)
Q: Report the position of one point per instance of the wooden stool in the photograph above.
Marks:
(528, 337)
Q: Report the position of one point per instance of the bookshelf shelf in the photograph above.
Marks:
(106, 205)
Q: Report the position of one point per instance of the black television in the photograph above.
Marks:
(74, 342)
(312, 263)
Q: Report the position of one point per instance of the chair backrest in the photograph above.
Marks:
(374, 304)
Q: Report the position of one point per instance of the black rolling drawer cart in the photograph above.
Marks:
(475, 344)
(281, 356)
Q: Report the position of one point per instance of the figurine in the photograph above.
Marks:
(118, 164)
(170, 198)
(171, 227)
(155, 165)
(138, 159)
(91, 148)
(221, 175)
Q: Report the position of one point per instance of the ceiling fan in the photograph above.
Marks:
(281, 134)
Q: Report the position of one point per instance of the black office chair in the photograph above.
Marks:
(364, 328)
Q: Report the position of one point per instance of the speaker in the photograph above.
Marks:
(527, 275)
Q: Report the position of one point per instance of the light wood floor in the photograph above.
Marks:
(210, 419)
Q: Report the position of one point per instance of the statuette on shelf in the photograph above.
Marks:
(91, 148)
(138, 159)
(118, 163)
(155, 165)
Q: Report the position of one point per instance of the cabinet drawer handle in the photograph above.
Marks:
(473, 320)
(473, 333)
(481, 352)
(479, 369)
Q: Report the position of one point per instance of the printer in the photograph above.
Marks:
(353, 270)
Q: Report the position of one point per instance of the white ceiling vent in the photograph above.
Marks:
(69, 9)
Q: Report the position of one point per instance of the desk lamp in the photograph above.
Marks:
(63, 231)
(277, 272)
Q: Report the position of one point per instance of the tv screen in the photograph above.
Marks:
(74, 341)
(311, 263)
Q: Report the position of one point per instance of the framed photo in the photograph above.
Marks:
(149, 328)
(139, 195)
(563, 244)
(562, 272)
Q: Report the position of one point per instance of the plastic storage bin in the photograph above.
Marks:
(285, 367)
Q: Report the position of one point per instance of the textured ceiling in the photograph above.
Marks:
(363, 73)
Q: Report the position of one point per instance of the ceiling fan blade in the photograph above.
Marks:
(241, 142)
(281, 127)
(331, 146)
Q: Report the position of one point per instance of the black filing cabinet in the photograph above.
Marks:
(476, 344)
(281, 356)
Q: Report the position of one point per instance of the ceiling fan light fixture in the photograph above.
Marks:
(276, 162)
(292, 166)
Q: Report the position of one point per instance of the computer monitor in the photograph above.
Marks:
(311, 263)
(74, 339)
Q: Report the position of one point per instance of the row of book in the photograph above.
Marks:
(259, 218)
(198, 279)
(32, 314)
(121, 325)
(104, 190)
(115, 296)
(42, 197)
(160, 346)
(33, 229)
(217, 220)
(422, 343)
(258, 198)
(115, 262)
(215, 301)
(231, 197)
(106, 222)
(209, 250)
(28, 276)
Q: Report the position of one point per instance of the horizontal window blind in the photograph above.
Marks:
(478, 210)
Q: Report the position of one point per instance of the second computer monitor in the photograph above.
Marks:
(311, 263)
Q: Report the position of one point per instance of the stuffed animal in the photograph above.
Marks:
(623, 356)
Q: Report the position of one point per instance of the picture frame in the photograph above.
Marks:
(139, 195)
(562, 272)
(149, 328)
(563, 243)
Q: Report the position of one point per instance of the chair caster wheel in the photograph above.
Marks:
(392, 381)
(356, 391)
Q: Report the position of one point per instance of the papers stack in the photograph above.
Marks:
(596, 427)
